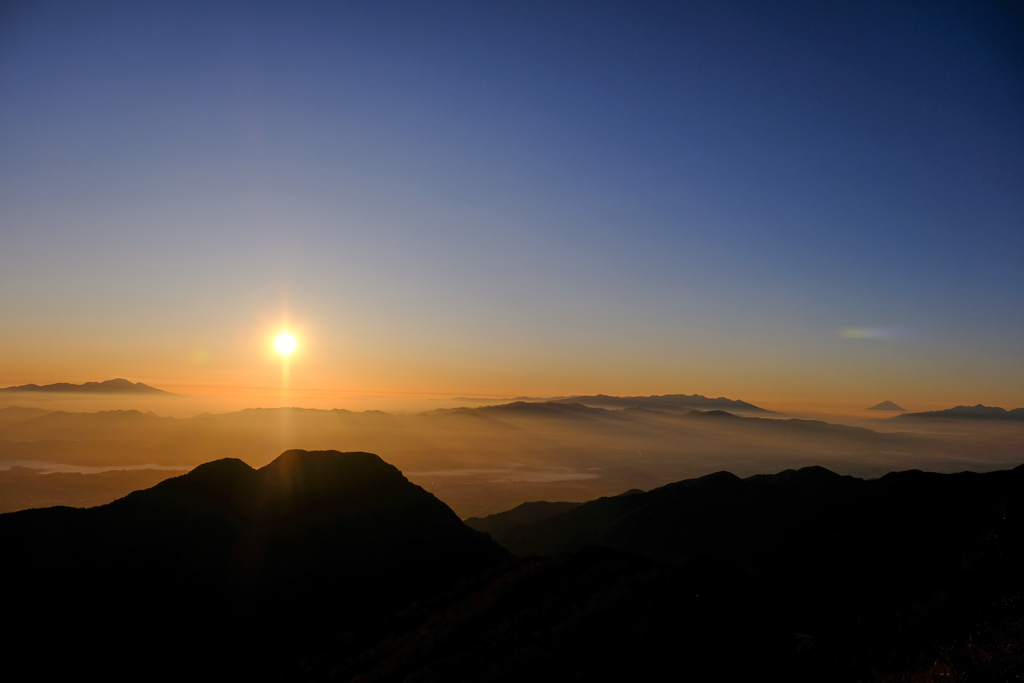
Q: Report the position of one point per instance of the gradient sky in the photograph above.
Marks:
(768, 201)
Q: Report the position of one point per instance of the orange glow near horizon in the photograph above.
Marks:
(344, 361)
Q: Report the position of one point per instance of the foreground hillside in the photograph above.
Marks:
(763, 519)
(333, 566)
(228, 568)
(875, 574)
(595, 615)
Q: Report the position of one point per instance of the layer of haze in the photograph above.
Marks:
(781, 202)
(479, 460)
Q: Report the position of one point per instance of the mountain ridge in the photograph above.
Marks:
(694, 401)
(238, 555)
(629, 523)
(976, 412)
(110, 386)
(333, 566)
(665, 401)
(912, 574)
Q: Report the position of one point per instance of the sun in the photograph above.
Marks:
(285, 343)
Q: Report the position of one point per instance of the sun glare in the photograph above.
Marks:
(285, 343)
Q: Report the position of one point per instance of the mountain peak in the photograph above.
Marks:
(246, 557)
(299, 473)
(215, 473)
(887, 405)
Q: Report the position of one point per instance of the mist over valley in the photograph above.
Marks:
(487, 459)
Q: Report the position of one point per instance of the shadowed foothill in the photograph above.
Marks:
(332, 566)
(484, 460)
(803, 575)
(203, 569)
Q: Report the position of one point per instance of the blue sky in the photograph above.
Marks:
(520, 197)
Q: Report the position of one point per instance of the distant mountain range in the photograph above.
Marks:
(111, 386)
(667, 401)
(886, 405)
(572, 438)
(332, 566)
(566, 409)
(978, 412)
(500, 524)
(15, 414)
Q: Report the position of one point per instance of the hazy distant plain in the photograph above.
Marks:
(488, 459)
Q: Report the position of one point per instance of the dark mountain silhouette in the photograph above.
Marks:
(855, 579)
(755, 521)
(886, 405)
(667, 401)
(332, 566)
(229, 564)
(978, 412)
(500, 524)
(595, 615)
(111, 386)
(523, 409)
(527, 513)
